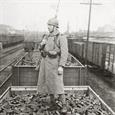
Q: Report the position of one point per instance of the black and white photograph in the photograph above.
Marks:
(57, 57)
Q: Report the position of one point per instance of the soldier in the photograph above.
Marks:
(54, 51)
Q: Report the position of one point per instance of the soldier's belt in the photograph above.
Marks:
(52, 55)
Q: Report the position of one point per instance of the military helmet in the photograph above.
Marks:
(53, 22)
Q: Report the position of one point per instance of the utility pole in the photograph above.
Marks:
(88, 29)
(68, 27)
(57, 9)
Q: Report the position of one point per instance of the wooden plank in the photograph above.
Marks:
(5, 94)
(34, 88)
(103, 103)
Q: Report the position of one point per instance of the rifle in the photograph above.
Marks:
(38, 63)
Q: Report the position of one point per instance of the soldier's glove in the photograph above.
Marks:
(42, 45)
(60, 70)
(37, 68)
(43, 42)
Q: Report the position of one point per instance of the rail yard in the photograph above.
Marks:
(57, 57)
(18, 69)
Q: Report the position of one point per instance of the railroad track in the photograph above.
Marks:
(6, 73)
(8, 52)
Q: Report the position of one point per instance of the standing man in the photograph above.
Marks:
(54, 51)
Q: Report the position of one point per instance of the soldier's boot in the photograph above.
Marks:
(52, 103)
(64, 108)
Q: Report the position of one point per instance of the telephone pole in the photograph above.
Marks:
(68, 27)
(88, 29)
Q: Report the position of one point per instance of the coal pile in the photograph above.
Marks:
(72, 61)
(39, 104)
(71, 64)
(32, 58)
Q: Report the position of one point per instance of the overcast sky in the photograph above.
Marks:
(34, 14)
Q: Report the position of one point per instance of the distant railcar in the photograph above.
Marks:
(32, 41)
(29, 46)
(99, 53)
(10, 39)
(1, 46)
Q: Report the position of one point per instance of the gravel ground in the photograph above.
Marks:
(103, 86)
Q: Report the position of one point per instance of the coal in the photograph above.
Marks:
(38, 104)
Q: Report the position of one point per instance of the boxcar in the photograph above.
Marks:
(110, 58)
(29, 46)
(78, 49)
(1, 46)
(99, 53)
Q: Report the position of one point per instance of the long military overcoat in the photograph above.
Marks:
(49, 81)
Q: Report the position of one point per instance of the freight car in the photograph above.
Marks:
(24, 100)
(31, 42)
(1, 46)
(24, 70)
(100, 53)
(30, 45)
(10, 39)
